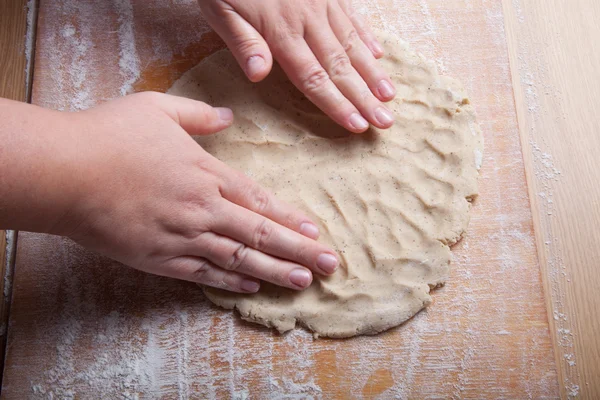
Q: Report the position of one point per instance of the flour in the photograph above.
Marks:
(11, 246)
(548, 175)
(429, 24)
(494, 18)
(29, 41)
(518, 10)
(478, 159)
(129, 61)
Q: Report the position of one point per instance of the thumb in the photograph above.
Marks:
(247, 45)
(196, 117)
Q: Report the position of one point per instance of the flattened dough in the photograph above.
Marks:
(391, 202)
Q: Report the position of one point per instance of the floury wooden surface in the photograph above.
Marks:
(557, 90)
(82, 325)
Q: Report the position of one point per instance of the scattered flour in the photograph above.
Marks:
(29, 42)
(548, 175)
(129, 62)
(428, 20)
(11, 247)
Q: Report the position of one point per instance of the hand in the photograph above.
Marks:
(323, 46)
(153, 199)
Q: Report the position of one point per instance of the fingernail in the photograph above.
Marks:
(327, 263)
(300, 277)
(386, 90)
(384, 116)
(250, 286)
(254, 66)
(377, 48)
(357, 122)
(225, 114)
(309, 229)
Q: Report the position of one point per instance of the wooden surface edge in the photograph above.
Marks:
(4, 304)
(555, 82)
(8, 241)
(17, 34)
(2, 267)
(520, 105)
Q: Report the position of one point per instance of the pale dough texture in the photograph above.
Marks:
(391, 202)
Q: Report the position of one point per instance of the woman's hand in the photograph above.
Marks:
(323, 46)
(151, 197)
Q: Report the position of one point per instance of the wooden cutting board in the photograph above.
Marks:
(82, 326)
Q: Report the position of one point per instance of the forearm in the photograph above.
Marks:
(37, 171)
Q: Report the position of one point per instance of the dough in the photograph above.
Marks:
(390, 202)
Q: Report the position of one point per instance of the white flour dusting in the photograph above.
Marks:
(102, 328)
(548, 176)
(128, 62)
(428, 21)
(11, 237)
(29, 40)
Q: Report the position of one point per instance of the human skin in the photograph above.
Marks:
(126, 180)
(323, 46)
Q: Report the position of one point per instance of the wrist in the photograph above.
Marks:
(71, 180)
(38, 187)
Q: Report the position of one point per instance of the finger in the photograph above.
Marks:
(307, 74)
(243, 191)
(195, 117)
(237, 257)
(365, 33)
(363, 61)
(332, 56)
(266, 236)
(202, 271)
(247, 45)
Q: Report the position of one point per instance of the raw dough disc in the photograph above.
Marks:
(390, 202)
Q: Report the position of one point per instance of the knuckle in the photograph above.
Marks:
(262, 235)
(207, 243)
(276, 275)
(237, 259)
(302, 254)
(248, 45)
(366, 95)
(340, 65)
(291, 219)
(314, 80)
(260, 199)
(200, 271)
(288, 29)
(350, 40)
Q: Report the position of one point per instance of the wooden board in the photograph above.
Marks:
(82, 325)
(14, 86)
(557, 86)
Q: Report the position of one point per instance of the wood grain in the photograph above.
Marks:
(13, 61)
(83, 325)
(13, 28)
(555, 61)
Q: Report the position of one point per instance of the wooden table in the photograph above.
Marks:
(14, 85)
(555, 85)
